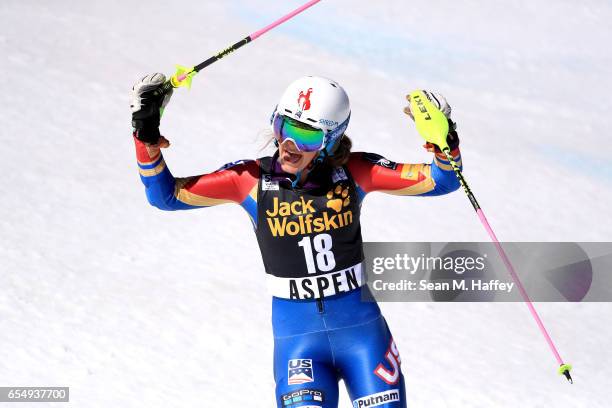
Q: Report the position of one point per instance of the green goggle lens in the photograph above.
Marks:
(305, 137)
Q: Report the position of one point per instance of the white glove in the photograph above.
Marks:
(438, 100)
(147, 103)
(144, 87)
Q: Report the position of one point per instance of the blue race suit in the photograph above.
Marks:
(323, 330)
(319, 342)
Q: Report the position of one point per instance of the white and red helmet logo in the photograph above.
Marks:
(304, 100)
(315, 101)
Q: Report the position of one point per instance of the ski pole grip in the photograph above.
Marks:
(430, 122)
(164, 89)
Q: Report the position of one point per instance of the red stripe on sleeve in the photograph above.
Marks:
(233, 183)
(372, 177)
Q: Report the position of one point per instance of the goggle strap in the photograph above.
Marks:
(334, 136)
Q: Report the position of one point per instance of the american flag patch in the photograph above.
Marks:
(300, 371)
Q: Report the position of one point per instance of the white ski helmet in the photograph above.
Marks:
(318, 102)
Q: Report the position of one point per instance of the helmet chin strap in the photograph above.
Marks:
(310, 167)
(319, 159)
(298, 176)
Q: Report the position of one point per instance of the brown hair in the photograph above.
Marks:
(341, 154)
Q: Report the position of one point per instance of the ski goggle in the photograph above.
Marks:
(305, 137)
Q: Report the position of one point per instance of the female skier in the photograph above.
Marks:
(304, 203)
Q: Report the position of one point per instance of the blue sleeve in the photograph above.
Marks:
(160, 186)
(443, 175)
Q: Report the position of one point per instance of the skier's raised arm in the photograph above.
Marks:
(232, 183)
(373, 172)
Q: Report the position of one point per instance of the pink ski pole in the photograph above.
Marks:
(184, 75)
(433, 126)
(563, 368)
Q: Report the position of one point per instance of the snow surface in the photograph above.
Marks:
(133, 307)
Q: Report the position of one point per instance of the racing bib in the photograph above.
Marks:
(309, 238)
